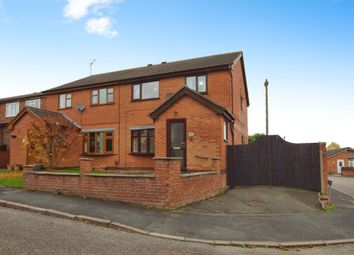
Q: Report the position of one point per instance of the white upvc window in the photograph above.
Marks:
(36, 103)
(65, 101)
(12, 109)
(351, 162)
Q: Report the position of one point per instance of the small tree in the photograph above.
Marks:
(49, 142)
(254, 138)
(333, 146)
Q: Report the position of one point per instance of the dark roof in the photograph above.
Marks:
(22, 97)
(331, 153)
(42, 114)
(151, 71)
(196, 96)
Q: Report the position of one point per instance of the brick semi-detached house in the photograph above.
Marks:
(190, 109)
(341, 160)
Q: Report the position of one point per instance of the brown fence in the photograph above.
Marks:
(273, 161)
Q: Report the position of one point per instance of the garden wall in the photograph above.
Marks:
(166, 187)
(348, 171)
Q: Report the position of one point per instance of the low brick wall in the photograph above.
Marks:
(348, 171)
(166, 187)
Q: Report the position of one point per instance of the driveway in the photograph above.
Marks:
(343, 184)
(263, 200)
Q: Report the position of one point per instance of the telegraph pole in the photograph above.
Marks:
(266, 83)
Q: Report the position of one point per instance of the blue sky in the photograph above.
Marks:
(304, 47)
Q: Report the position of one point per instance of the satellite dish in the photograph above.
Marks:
(80, 107)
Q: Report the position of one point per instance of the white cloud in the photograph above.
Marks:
(101, 26)
(77, 9)
(99, 23)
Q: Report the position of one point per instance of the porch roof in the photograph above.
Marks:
(185, 91)
(43, 114)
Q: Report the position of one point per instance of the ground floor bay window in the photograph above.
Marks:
(99, 142)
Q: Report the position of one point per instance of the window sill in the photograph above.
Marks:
(66, 108)
(94, 105)
(97, 154)
(142, 100)
(142, 154)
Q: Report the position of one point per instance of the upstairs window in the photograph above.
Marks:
(65, 101)
(147, 90)
(102, 96)
(12, 109)
(143, 141)
(197, 83)
(98, 143)
(36, 103)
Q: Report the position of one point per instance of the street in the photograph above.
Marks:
(28, 233)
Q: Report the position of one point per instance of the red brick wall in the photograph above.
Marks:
(166, 189)
(205, 124)
(241, 122)
(348, 171)
(4, 159)
(332, 162)
(325, 170)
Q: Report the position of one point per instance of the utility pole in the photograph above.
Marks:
(266, 83)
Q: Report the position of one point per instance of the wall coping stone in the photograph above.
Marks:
(198, 173)
(122, 175)
(51, 173)
(167, 158)
(86, 159)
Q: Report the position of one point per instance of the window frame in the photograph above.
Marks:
(139, 131)
(86, 138)
(351, 162)
(66, 101)
(98, 96)
(30, 101)
(141, 91)
(17, 108)
(225, 131)
(196, 78)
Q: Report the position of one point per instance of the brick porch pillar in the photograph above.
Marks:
(85, 166)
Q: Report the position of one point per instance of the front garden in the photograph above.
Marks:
(11, 179)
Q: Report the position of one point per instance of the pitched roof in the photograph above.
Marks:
(150, 71)
(43, 115)
(196, 96)
(331, 153)
(21, 97)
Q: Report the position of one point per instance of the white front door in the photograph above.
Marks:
(340, 164)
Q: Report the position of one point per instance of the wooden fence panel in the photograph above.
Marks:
(273, 161)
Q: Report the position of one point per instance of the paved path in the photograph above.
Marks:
(295, 227)
(27, 233)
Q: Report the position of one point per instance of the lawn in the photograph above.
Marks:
(11, 178)
(66, 170)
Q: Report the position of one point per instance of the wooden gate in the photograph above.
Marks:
(273, 161)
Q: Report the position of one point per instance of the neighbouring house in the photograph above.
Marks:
(9, 108)
(190, 109)
(339, 159)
